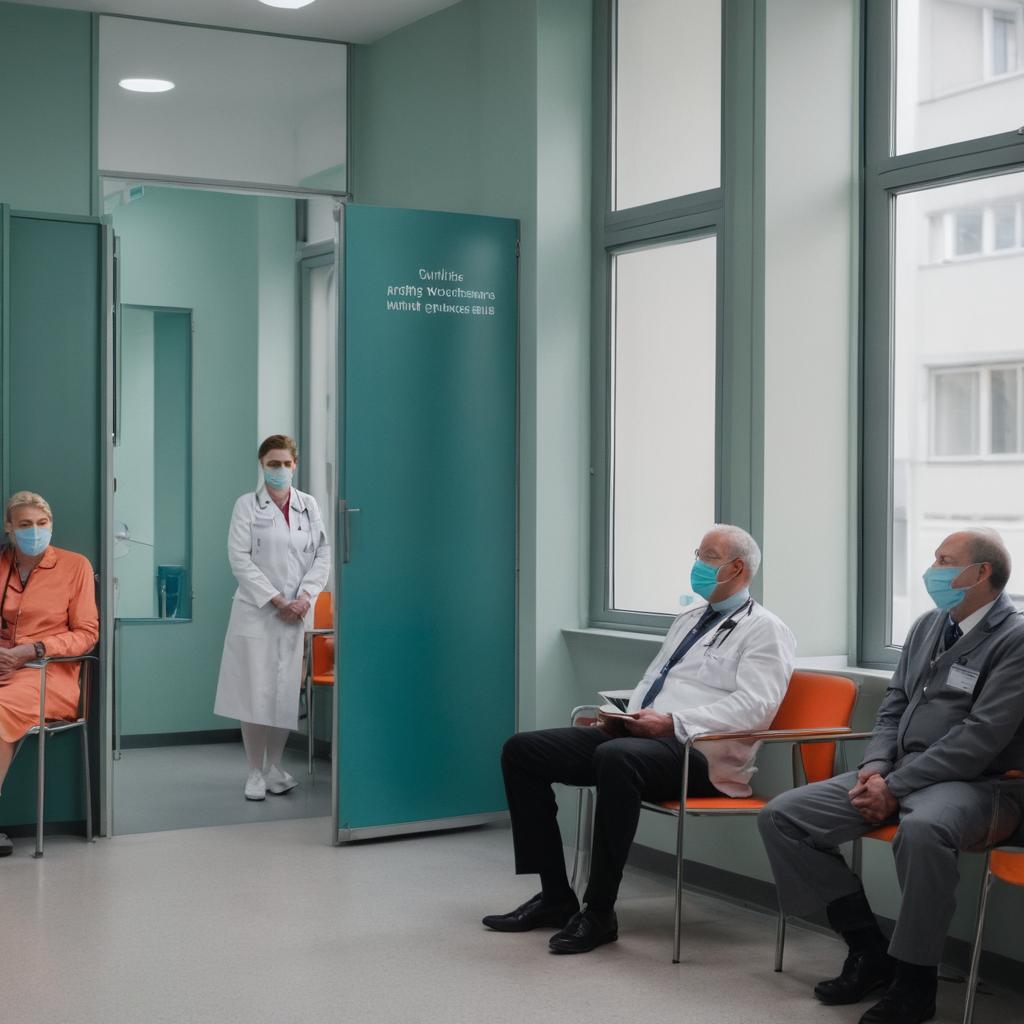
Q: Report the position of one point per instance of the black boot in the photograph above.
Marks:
(910, 999)
(868, 968)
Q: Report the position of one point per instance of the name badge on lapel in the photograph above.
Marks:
(962, 679)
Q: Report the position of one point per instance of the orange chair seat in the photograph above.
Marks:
(326, 679)
(885, 833)
(1008, 866)
(697, 804)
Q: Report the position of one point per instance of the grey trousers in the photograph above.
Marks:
(803, 828)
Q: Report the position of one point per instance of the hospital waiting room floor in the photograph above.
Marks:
(266, 924)
(164, 788)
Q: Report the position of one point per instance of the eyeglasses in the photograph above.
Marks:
(700, 557)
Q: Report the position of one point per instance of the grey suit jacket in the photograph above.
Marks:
(928, 731)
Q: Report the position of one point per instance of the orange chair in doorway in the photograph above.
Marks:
(319, 660)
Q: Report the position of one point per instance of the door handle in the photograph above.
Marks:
(346, 535)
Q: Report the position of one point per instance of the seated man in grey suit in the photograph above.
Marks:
(949, 725)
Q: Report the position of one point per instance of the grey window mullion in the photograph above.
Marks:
(665, 232)
(664, 209)
(968, 163)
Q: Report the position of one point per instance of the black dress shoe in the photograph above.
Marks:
(6, 846)
(586, 931)
(534, 913)
(862, 974)
(901, 1005)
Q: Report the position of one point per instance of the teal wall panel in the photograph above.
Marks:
(46, 114)
(172, 445)
(195, 250)
(427, 607)
(53, 421)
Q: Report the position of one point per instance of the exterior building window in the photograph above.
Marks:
(1005, 45)
(976, 412)
(991, 230)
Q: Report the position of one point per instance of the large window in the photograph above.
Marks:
(663, 484)
(943, 443)
(673, 283)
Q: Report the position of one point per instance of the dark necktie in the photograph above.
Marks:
(951, 634)
(704, 623)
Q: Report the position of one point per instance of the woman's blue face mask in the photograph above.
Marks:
(33, 540)
(939, 584)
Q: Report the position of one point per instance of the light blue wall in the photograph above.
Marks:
(197, 250)
(46, 115)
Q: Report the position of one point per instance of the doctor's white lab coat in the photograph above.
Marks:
(260, 671)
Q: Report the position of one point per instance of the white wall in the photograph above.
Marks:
(811, 117)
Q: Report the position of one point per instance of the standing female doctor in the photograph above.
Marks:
(279, 554)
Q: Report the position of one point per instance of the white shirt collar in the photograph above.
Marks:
(966, 625)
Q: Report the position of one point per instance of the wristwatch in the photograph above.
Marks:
(40, 649)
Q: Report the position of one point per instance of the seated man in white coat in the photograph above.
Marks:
(724, 667)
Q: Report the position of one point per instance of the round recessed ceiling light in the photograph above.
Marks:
(291, 5)
(146, 84)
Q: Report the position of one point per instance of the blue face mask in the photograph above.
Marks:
(938, 583)
(33, 540)
(703, 579)
(278, 477)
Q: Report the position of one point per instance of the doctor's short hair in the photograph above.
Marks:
(30, 498)
(278, 441)
(988, 546)
(741, 545)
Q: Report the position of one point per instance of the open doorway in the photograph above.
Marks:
(226, 334)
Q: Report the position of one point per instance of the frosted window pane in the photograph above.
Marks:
(663, 472)
(668, 99)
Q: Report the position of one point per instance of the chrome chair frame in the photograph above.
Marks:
(796, 737)
(51, 728)
(307, 684)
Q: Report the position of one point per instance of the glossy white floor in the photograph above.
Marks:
(267, 923)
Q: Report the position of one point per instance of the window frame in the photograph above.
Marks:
(734, 214)
(885, 176)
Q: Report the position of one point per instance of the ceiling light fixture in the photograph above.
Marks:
(146, 84)
(291, 5)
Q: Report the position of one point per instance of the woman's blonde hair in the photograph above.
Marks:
(26, 498)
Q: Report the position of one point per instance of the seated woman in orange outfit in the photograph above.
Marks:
(47, 609)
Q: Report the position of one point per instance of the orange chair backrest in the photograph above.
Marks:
(323, 646)
(817, 702)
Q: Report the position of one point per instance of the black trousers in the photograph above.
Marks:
(625, 771)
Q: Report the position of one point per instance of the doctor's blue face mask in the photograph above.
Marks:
(277, 477)
(703, 579)
(939, 584)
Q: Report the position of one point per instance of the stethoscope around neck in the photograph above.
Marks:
(725, 628)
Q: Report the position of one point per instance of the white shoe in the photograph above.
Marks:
(278, 781)
(255, 786)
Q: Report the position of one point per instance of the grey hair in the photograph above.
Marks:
(987, 546)
(742, 545)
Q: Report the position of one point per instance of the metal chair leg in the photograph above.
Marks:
(972, 977)
(576, 844)
(677, 934)
(88, 784)
(780, 939)
(857, 858)
(309, 723)
(40, 793)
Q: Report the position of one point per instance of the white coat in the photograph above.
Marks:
(732, 680)
(261, 668)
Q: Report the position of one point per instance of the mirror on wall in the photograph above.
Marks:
(152, 465)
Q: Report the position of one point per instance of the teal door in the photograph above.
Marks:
(426, 554)
(52, 284)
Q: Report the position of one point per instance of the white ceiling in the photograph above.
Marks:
(350, 21)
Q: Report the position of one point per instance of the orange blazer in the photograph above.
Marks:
(56, 605)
